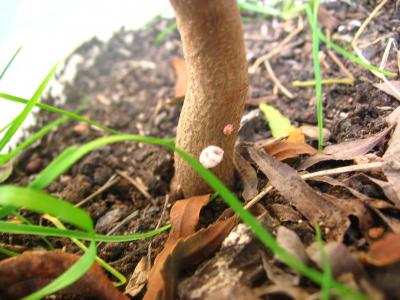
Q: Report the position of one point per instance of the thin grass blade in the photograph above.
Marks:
(31, 104)
(9, 63)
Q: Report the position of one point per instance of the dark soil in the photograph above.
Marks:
(128, 85)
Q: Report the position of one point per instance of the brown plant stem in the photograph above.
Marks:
(215, 57)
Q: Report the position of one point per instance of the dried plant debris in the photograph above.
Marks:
(313, 206)
(138, 279)
(384, 87)
(384, 252)
(24, 274)
(185, 247)
(346, 150)
(181, 77)
(247, 174)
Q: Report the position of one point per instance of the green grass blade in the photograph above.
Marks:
(166, 32)
(12, 228)
(264, 10)
(34, 137)
(22, 116)
(7, 252)
(7, 126)
(354, 58)
(59, 111)
(76, 271)
(317, 76)
(9, 63)
(327, 271)
(114, 272)
(21, 197)
(72, 154)
(38, 201)
(264, 236)
(5, 211)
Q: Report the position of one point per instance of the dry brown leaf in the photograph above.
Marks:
(293, 146)
(184, 247)
(312, 132)
(24, 274)
(340, 259)
(290, 241)
(383, 86)
(327, 19)
(346, 150)
(248, 176)
(277, 275)
(293, 188)
(138, 279)
(391, 167)
(282, 292)
(385, 252)
(181, 77)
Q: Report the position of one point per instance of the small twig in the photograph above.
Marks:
(137, 184)
(278, 49)
(354, 168)
(259, 196)
(327, 81)
(367, 21)
(157, 226)
(280, 86)
(121, 224)
(110, 182)
(338, 62)
(386, 53)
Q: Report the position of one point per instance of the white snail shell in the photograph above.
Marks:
(211, 156)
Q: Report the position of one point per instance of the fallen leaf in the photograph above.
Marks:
(277, 275)
(284, 213)
(181, 77)
(384, 87)
(184, 247)
(280, 125)
(248, 176)
(312, 132)
(393, 117)
(138, 279)
(285, 149)
(346, 150)
(290, 241)
(24, 274)
(282, 292)
(391, 167)
(388, 189)
(385, 252)
(327, 19)
(340, 259)
(294, 189)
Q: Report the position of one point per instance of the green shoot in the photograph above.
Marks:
(59, 111)
(34, 137)
(317, 76)
(9, 63)
(327, 274)
(163, 34)
(22, 116)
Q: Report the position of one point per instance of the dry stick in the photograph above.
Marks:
(110, 182)
(362, 57)
(157, 226)
(142, 188)
(280, 86)
(337, 61)
(278, 48)
(121, 224)
(354, 168)
(386, 53)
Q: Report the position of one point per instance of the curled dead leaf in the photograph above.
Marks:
(385, 252)
(184, 247)
(138, 279)
(24, 274)
(181, 77)
(346, 150)
(248, 176)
